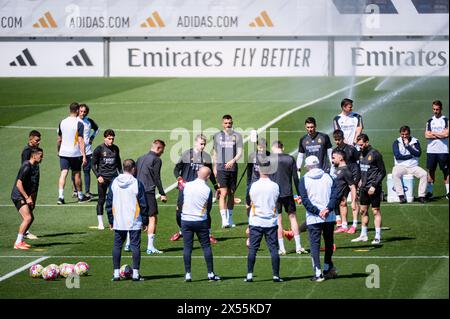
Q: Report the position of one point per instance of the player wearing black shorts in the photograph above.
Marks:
(373, 172)
(228, 149)
(34, 139)
(185, 171)
(284, 174)
(351, 160)
(148, 172)
(24, 194)
(106, 165)
(345, 183)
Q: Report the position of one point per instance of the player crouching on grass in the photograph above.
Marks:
(127, 211)
(24, 194)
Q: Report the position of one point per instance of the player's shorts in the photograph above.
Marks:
(152, 204)
(288, 203)
(374, 200)
(227, 179)
(19, 203)
(434, 159)
(73, 163)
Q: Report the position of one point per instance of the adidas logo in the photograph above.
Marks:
(262, 20)
(20, 59)
(150, 22)
(76, 59)
(46, 21)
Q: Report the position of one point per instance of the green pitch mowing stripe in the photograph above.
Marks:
(25, 267)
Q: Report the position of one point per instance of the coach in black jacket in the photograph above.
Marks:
(372, 175)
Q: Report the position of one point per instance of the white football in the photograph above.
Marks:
(81, 268)
(125, 271)
(36, 271)
(50, 272)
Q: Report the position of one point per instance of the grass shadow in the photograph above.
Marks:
(56, 244)
(61, 234)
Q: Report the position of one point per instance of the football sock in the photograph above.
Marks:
(128, 239)
(446, 187)
(116, 273)
(377, 233)
(211, 274)
(363, 230)
(80, 195)
(318, 272)
(223, 213)
(338, 220)
(151, 238)
(298, 243)
(61, 193)
(100, 219)
(430, 188)
(135, 273)
(281, 244)
(230, 216)
(355, 223)
(250, 275)
(344, 225)
(187, 276)
(19, 238)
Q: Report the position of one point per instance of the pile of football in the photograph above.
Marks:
(52, 271)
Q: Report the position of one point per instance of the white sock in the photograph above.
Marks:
(211, 274)
(19, 238)
(430, 188)
(100, 219)
(318, 272)
(61, 193)
(363, 230)
(281, 243)
(230, 216)
(187, 276)
(135, 273)
(116, 273)
(151, 238)
(298, 243)
(338, 219)
(344, 225)
(223, 213)
(355, 223)
(80, 195)
(128, 239)
(377, 233)
(446, 187)
(250, 275)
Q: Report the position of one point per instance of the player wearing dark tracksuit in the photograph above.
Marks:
(186, 171)
(106, 165)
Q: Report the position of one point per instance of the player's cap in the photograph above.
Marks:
(311, 161)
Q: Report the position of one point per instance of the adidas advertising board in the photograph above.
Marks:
(142, 18)
(213, 58)
(51, 59)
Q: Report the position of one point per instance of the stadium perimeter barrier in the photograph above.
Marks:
(227, 38)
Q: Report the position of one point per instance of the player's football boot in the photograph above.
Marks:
(351, 230)
(376, 241)
(340, 229)
(301, 251)
(360, 238)
(29, 235)
(60, 201)
(317, 278)
(212, 240)
(277, 279)
(281, 252)
(153, 251)
(331, 273)
(176, 236)
(22, 245)
(214, 278)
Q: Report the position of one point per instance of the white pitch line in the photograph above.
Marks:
(230, 257)
(25, 267)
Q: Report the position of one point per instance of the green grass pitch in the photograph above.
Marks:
(412, 262)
